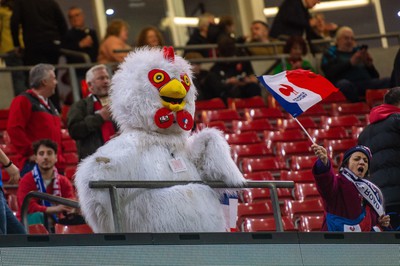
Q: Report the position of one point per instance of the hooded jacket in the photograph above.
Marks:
(382, 136)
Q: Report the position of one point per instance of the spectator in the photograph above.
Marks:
(350, 67)
(116, 39)
(8, 222)
(260, 34)
(395, 78)
(33, 117)
(43, 26)
(225, 27)
(382, 136)
(296, 47)
(89, 120)
(199, 35)
(293, 19)
(233, 79)
(199, 74)
(324, 29)
(11, 58)
(44, 178)
(352, 203)
(150, 36)
(80, 38)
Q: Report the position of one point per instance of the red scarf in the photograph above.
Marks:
(107, 129)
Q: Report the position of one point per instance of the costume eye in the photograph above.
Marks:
(158, 77)
(186, 81)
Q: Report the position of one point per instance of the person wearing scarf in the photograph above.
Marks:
(44, 178)
(352, 203)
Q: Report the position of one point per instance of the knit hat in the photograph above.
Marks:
(354, 149)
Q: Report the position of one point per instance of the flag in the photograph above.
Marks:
(297, 90)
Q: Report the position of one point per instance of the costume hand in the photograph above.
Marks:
(320, 152)
(384, 220)
(13, 172)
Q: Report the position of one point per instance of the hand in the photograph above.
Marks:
(320, 152)
(384, 220)
(58, 209)
(86, 42)
(356, 58)
(13, 172)
(105, 113)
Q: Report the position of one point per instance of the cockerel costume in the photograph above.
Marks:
(153, 101)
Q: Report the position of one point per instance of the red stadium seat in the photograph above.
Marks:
(69, 145)
(290, 135)
(302, 162)
(263, 194)
(360, 108)
(12, 202)
(315, 111)
(346, 121)
(73, 229)
(320, 135)
(8, 149)
(254, 210)
(375, 97)
(303, 191)
(71, 158)
(335, 147)
(4, 114)
(335, 97)
(259, 176)
(65, 134)
(310, 223)
(266, 224)
(240, 103)
(273, 164)
(243, 138)
(290, 123)
(70, 172)
(226, 115)
(296, 208)
(285, 149)
(256, 125)
(215, 124)
(356, 131)
(3, 124)
(250, 150)
(263, 113)
(212, 104)
(303, 176)
(37, 229)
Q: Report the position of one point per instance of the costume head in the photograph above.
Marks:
(153, 91)
(358, 148)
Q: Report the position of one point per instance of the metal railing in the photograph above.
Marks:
(112, 186)
(43, 196)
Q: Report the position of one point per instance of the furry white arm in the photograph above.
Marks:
(210, 152)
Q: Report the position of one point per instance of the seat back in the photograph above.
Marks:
(73, 229)
(303, 191)
(266, 224)
(310, 223)
(37, 229)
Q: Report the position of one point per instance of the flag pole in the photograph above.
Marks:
(305, 131)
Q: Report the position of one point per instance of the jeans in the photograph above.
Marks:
(9, 224)
(352, 90)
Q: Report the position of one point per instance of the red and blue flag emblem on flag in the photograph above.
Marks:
(297, 90)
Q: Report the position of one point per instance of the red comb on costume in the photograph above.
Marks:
(169, 53)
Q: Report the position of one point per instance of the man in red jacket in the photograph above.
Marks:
(44, 178)
(34, 117)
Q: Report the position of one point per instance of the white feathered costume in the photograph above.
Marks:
(153, 101)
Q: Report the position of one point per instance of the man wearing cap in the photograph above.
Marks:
(352, 203)
(382, 136)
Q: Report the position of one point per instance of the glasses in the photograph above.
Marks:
(75, 15)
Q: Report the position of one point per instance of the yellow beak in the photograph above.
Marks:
(172, 95)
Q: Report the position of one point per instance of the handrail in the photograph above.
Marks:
(113, 185)
(43, 196)
(84, 56)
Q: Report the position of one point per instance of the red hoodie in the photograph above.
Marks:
(381, 112)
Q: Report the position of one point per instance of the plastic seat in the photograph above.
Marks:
(250, 150)
(262, 113)
(302, 162)
(254, 210)
(8, 149)
(3, 124)
(71, 158)
(337, 146)
(73, 229)
(291, 135)
(4, 114)
(243, 138)
(360, 108)
(65, 134)
(256, 125)
(375, 97)
(296, 208)
(346, 121)
(285, 149)
(12, 202)
(70, 172)
(303, 191)
(319, 135)
(215, 124)
(259, 176)
(211, 104)
(266, 224)
(302, 176)
(240, 103)
(263, 164)
(37, 229)
(69, 145)
(356, 131)
(290, 123)
(310, 223)
(335, 97)
(220, 115)
(264, 194)
(316, 111)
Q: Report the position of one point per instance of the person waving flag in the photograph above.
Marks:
(297, 90)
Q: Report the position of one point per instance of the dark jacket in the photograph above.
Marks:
(84, 126)
(71, 41)
(336, 66)
(382, 137)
